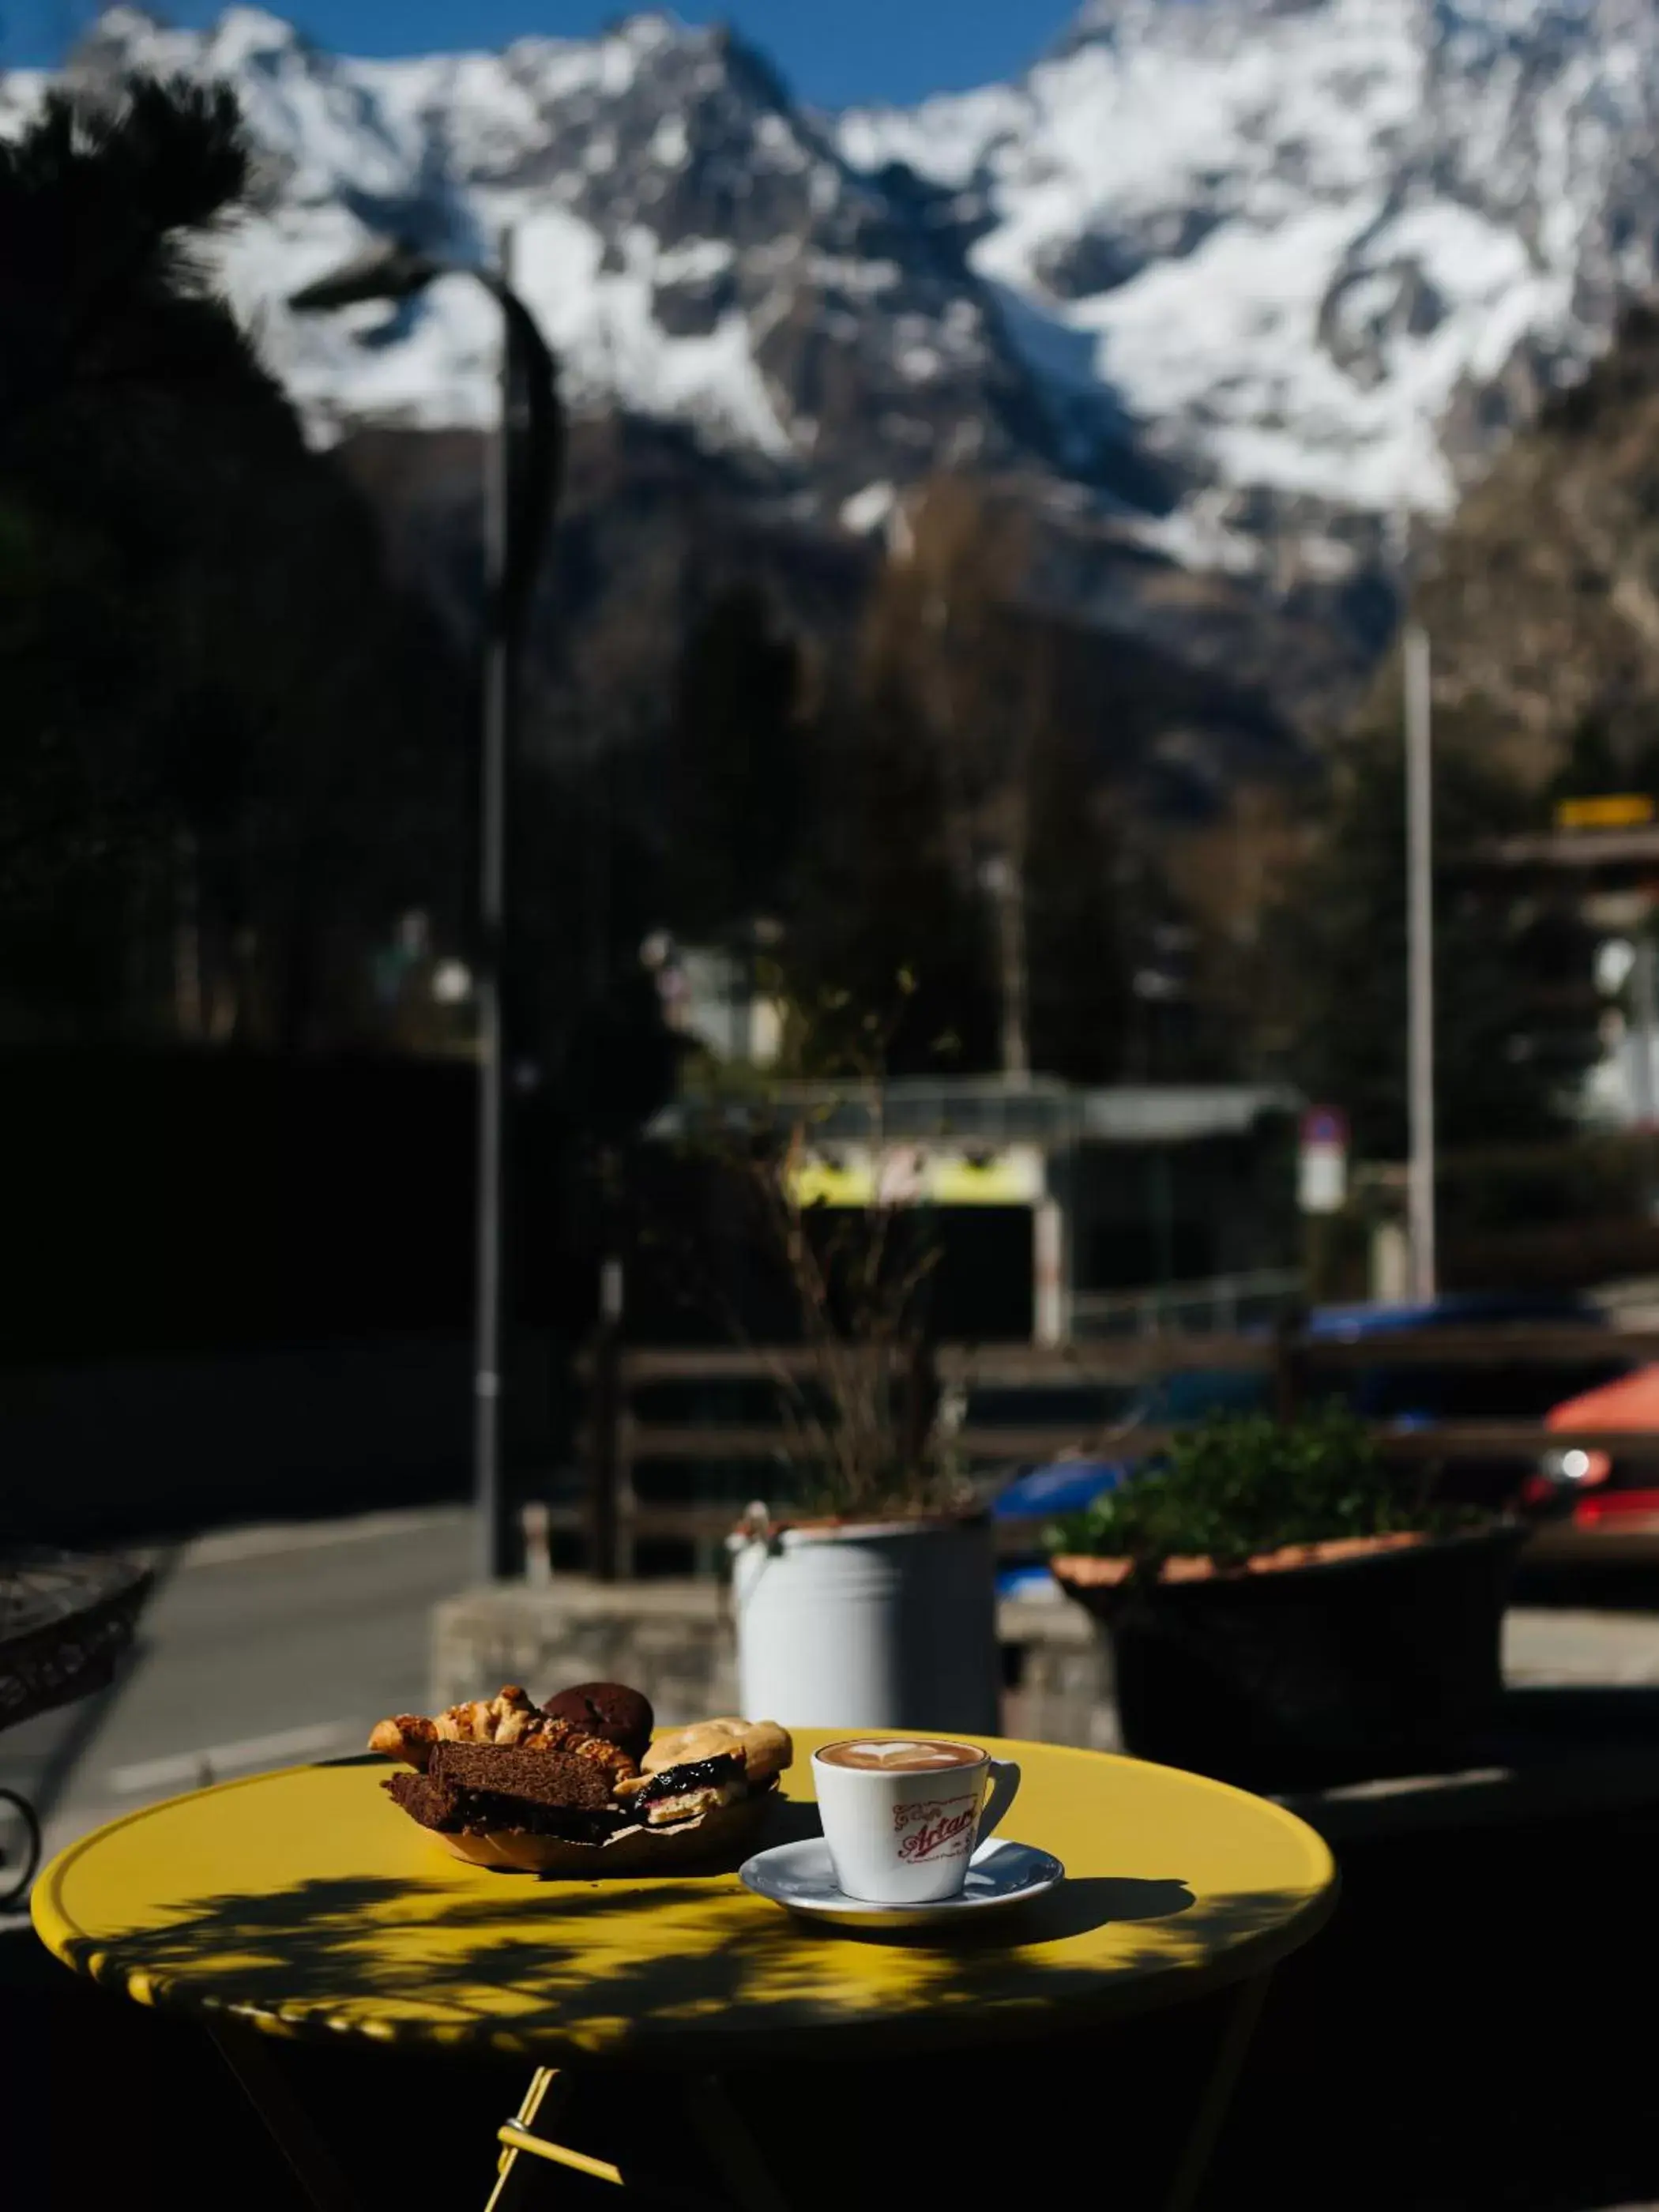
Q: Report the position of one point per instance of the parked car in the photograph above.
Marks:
(1399, 1396)
(1592, 1498)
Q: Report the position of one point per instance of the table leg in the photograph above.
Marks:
(248, 2055)
(741, 2170)
(731, 2149)
(548, 2091)
(1242, 2017)
(727, 2142)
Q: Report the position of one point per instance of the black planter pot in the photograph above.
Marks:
(1379, 1664)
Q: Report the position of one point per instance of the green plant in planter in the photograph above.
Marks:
(1239, 1484)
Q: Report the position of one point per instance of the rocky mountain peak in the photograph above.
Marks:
(697, 243)
(1231, 283)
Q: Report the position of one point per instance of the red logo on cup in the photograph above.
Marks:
(938, 1830)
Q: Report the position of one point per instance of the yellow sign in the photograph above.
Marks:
(832, 1183)
(1010, 1178)
(915, 1174)
(1626, 810)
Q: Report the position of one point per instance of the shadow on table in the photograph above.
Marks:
(1079, 1905)
(408, 1960)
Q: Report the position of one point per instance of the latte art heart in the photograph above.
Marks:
(902, 1755)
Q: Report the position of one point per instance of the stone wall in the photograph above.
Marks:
(674, 1641)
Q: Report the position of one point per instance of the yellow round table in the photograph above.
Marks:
(304, 1903)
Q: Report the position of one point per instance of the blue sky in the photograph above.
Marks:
(832, 50)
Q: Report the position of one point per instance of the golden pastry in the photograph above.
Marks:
(509, 1718)
(766, 1748)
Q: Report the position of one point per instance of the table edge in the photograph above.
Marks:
(1125, 1996)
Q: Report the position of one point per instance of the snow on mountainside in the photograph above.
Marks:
(692, 242)
(1325, 250)
(1234, 277)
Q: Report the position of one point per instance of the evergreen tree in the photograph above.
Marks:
(231, 753)
(1074, 954)
(882, 899)
(1503, 1058)
(736, 800)
(101, 210)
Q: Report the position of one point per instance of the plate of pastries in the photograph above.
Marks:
(583, 1784)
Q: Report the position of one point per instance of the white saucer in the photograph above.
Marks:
(801, 1877)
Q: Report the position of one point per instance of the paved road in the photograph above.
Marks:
(261, 1646)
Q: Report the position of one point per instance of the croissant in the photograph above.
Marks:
(553, 1735)
(410, 1737)
(507, 1718)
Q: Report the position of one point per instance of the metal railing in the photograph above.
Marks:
(1218, 1302)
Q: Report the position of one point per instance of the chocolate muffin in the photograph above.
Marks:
(609, 1710)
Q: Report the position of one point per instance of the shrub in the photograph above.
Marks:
(1241, 1484)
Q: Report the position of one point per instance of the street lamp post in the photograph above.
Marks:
(1419, 887)
(526, 467)
(1002, 875)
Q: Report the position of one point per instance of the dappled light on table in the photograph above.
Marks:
(302, 1902)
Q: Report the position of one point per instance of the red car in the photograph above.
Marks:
(1600, 1497)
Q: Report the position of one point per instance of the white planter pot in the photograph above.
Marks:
(890, 1625)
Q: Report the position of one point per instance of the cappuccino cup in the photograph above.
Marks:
(904, 1815)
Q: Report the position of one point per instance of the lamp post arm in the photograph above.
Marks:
(533, 486)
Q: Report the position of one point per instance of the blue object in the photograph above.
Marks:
(1408, 1397)
(1025, 1581)
(1454, 1310)
(1062, 1486)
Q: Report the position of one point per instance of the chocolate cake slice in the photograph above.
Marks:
(452, 1812)
(485, 1787)
(558, 1780)
(434, 1804)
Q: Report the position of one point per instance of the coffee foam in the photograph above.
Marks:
(901, 1755)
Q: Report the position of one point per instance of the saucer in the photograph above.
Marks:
(799, 1877)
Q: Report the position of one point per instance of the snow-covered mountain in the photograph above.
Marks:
(1325, 250)
(693, 243)
(1233, 278)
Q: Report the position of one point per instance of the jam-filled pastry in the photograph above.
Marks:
(766, 1748)
(681, 1793)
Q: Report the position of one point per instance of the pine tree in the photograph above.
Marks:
(221, 722)
(1074, 954)
(1500, 1072)
(882, 898)
(736, 770)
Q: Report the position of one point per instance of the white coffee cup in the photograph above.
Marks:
(900, 1826)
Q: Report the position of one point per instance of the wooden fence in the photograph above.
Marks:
(614, 1519)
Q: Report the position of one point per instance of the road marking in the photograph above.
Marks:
(216, 1758)
(232, 1544)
